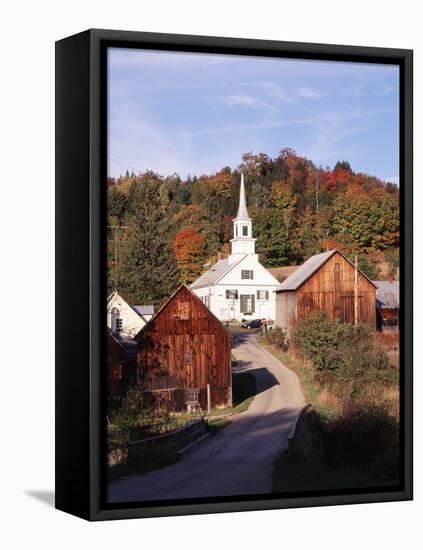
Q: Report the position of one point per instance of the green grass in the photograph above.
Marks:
(310, 388)
(216, 425)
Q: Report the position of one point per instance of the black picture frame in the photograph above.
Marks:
(81, 167)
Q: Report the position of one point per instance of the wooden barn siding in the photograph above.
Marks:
(334, 293)
(166, 344)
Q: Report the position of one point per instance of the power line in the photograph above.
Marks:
(126, 165)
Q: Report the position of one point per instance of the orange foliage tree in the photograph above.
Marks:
(189, 248)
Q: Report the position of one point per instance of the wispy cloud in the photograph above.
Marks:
(310, 93)
(243, 101)
(194, 113)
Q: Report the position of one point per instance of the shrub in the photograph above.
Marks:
(318, 339)
(342, 352)
(276, 337)
(365, 437)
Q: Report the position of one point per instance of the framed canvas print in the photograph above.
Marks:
(234, 274)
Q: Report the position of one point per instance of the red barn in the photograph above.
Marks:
(326, 282)
(184, 355)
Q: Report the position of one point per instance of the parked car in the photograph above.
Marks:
(255, 323)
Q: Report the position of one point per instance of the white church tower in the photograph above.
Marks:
(243, 241)
(239, 287)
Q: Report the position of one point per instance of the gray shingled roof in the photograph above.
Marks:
(216, 272)
(144, 310)
(387, 294)
(305, 271)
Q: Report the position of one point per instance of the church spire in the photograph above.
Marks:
(243, 242)
(242, 213)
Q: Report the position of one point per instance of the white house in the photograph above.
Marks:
(239, 287)
(126, 320)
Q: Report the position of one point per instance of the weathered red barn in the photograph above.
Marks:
(184, 355)
(326, 282)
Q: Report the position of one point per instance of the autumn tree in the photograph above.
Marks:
(298, 209)
(190, 252)
(272, 243)
(285, 201)
(356, 221)
(306, 237)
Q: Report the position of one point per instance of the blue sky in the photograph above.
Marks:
(193, 113)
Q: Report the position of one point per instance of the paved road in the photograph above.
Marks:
(237, 461)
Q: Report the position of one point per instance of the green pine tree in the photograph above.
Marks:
(147, 269)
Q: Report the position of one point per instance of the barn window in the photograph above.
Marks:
(337, 267)
(245, 230)
(183, 311)
(232, 295)
(247, 303)
(247, 274)
(262, 294)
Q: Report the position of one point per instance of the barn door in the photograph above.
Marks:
(344, 307)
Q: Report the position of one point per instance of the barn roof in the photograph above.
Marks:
(127, 345)
(183, 285)
(309, 268)
(144, 310)
(305, 271)
(215, 273)
(387, 294)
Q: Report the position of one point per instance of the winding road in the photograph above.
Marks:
(238, 460)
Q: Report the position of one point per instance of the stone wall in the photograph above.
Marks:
(305, 439)
(167, 447)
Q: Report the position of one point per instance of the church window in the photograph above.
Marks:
(245, 230)
(247, 274)
(232, 295)
(119, 324)
(262, 294)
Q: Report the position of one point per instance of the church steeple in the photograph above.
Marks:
(243, 242)
(242, 213)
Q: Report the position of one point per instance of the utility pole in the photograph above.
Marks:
(356, 291)
(209, 268)
(116, 251)
(208, 400)
(317, 192)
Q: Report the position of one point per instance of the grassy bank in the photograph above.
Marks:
(351, 378)
(293, 474)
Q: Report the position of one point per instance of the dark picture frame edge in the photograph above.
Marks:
(81, 113)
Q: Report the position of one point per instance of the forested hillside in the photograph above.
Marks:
(168, 228)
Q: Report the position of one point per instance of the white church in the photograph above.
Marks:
(239, 287)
